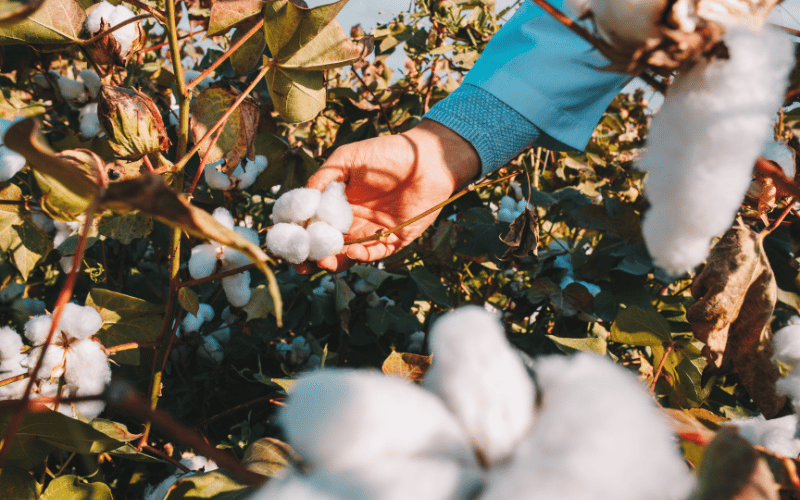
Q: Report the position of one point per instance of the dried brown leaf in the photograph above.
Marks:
(736, 294)
(407, 365)
(522, 237)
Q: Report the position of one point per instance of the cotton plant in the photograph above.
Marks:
(510, 209)
(211, 342)
(243, 176)
(206, 258)
(564, 261)
(72, 355)
(309, 224)
(477, 428)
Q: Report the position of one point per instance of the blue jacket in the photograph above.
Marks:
(536, 83)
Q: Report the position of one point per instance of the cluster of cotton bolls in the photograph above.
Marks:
(207, 257)
(297, 354)
(106, 15)
(212, 342)
(309, 224)
(704, 141)
(11, 162)
(195, 463)
(72, 354)
(77, 93)
(563, 261)
(510, 209)
(476, 430)
(242, 177)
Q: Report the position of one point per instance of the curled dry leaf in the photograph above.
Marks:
(736, 294)
(522, 237)
(407, 365)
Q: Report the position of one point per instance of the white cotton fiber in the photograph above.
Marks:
(37, 329)
(289, 241)
(481, 379)
(223, 334)
(103, 10)
(508, 202)
(91, 81)
(72, 90)
(43, 222)
(780, 153)
(192, 323)
(248, 174)
(233, 258)
(776, 435)
(52, 364)
(198, 462)
(224, 217)
(206, 312)
(505, 215)
(324, 240)
(211, 349)
(12, 368)
(297, 205)
(190, 74)
(338, 419)
(90, 121)
(237, 289)
(704, 141)
(80, 322)
(11, 162)
(334, 208)
(203, 261)
(128, 33)
(363, 286)
(87, 366)
(216, 179)
(786, 344)
(88, 409)
(10, 346)
(626, 23)
(599, 435)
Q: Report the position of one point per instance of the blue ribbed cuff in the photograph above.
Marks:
(495, 130)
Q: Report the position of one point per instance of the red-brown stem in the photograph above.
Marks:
(164, 44)
(269, 399)
(148, 164)
(773, 171)
(213, 277)
(182, 163)
(203, 162)
(375, 99)
(226, 55)
(166, 457)
(158, 14)
(130, 346)
(658, 371)
(13, 202)
(63, 298)
(426, 103)
(11, 380)
(777, 222)
(124, 23)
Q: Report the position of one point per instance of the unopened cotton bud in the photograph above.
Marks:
(203, 261)
(131, 121)
(297, 205)
(334, 208)
(289, 241)
(324, 240)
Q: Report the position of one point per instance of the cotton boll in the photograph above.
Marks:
(11, 162)
(246, 175)
(223, 335)
(52, 364)
(508, 203)
(260, 163)
(72, 90)
(80, 322)
(627, 23)
(776, 435)
(599, 435)
(190, 74)
(192, 323)
(216, 179)
(67, 263)
(103, 11)
(91, 81)
(577, 7)
(87, 366)
(289, 241)
(481, 379)
(8, 369)
(10, 345)
(363, 286)
(128, 33)
(198, 462)
(43, 222)
(786, 343)
(203, 261)
(337, 419)
(206, 312)
(237, 289)
(228, 317)
(234, 258)
(324, 239)
(224, 217)
(704, 141)
(297, 205)
(506, 215)
(780, 153)
(334, 208)
(37, 329)
(211, 350)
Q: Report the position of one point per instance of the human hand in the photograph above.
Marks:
(391, 179)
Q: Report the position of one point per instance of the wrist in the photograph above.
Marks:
(441, 146)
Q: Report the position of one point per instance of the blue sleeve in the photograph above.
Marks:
(544, 74)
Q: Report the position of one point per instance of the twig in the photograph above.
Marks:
(269, 399)
(164, 44)
(166, 457)
(11, 380)
(203, 161)
(226, 55)
(777, 222)
(669, 346)
(130, 346)
(222, 274)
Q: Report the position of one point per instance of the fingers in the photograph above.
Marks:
(370, 252)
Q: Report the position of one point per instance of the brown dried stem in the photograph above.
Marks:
(226, 55)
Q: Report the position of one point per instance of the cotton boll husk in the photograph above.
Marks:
(206, 312)
(599, 435)
(72, 90)
(334, 208)
(237, 289)
(704, 141)
(297, 205)
(103, 11)
(627, 23)
(203, 261)
(87, 366)
(234, 258)
(481, 380)
(776, 435)
(224, 217)
(324, 240)
(418, 478)
(339, 419)
(11, 162)
(289, 241)
(80, 322)
(216, 179)
(91, 81)
(786, 343)
(37, 329)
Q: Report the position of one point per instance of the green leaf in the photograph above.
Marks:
(299, 96)
(64, 432)
(114, 430)
(125, 319)
(430, 286)
(640, 327)
(188, 300)
(343, 295)
(236, 138)
(569, 346)
(215, 485)
(17, 484)
(267, 456)
(260, 305)
(28, 246)
(331, 48)
(13, 11)
(125, 227)
(54, 22)
(248, 55)
(289, 27)
(131, 453)
(226, 13)
(372, 275)
(74, 488)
